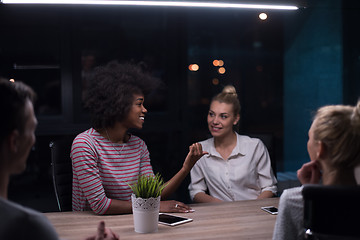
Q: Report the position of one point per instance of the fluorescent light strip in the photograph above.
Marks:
(157, 3)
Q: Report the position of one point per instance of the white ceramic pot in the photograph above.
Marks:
(145, 214)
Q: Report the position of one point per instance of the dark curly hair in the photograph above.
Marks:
(110, 95)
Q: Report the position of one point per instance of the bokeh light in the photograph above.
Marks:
(221, 70)
(215, 81)
(193, 67)
(263, 16)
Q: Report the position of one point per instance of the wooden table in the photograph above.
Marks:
(231, 220)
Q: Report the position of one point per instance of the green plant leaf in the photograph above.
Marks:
(148, 186)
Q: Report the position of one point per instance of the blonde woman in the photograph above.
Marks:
(333, 147)
(236, 167)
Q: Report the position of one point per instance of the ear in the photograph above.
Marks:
(14, 140)
(237, 118)
(321, 151)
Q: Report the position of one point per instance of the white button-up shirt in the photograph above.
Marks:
(243, 176)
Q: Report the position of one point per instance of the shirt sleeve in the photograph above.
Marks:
(267, 180)
(41, 228)
(289, 222)
(198, 183)
(30, 226)
(84, 160)
(145, 164)
(280, 231)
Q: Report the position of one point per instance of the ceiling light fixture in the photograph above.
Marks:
(156, 3)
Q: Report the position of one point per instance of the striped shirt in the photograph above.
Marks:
(102, 170)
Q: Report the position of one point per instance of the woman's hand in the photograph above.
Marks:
(104, 233)
(174, 206)
(195, 153)
(309, 173)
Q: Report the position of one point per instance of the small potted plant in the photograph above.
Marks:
(146, 202)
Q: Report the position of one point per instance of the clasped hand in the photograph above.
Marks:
(104, 233)
(309, 173)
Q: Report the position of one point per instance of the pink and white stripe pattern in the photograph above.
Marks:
(102, 170)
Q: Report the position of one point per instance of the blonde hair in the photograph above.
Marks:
(338, 127)
(229, 96)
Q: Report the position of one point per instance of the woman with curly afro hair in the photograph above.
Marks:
(106, 158)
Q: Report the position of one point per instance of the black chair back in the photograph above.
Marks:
(61, 168)
(269, 142)
(331, 212)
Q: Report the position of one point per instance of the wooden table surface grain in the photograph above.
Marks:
(230, 220)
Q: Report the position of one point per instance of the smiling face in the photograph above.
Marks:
(136, 116)
(221, 119)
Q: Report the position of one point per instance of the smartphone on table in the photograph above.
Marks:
(270, 209)
(172, 220)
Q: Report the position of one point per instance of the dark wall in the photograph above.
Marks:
(351, 52)
(313, 73)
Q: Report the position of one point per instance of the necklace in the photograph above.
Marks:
(112, 144)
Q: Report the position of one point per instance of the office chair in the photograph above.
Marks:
(269, 142)
(61, 169)
(331, 212)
